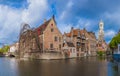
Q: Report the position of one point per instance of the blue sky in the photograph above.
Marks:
(77, 13)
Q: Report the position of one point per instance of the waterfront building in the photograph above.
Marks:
(77, 37)
(91, 43)
(84, 41)
(69, 50)
(14, 48)
(45, 38)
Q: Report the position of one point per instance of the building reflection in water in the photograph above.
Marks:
(88, 66)
(71, 67)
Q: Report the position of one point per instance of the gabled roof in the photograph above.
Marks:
(82, 32)
(92, 35)
(43, 26)
(75, 32)
(68, 34)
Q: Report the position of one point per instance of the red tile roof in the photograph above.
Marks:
(42, 27)
(75, 32)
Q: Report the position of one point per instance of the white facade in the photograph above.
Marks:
(71, 51)
(14, 48)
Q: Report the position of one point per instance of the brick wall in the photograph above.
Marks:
(49, 35)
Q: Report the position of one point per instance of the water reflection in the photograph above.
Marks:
(114, 69)
(88, 66)
(8, 67)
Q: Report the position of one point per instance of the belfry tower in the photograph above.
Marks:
(101, 31)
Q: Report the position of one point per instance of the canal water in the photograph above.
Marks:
(89, 66)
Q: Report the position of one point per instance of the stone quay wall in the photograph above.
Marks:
(45, 56)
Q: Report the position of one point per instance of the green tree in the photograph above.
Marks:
(115, 41)
(4, 49)
(0, 50)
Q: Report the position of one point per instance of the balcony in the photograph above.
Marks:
(78, 40)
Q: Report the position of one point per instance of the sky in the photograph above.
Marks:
(68, 13)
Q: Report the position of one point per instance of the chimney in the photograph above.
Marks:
(53, 16)
(72, 28)
(84, 29)
(45, 20)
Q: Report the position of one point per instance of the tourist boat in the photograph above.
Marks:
(116, 54)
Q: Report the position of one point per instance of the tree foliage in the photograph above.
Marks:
(115, 41)
(4, 49)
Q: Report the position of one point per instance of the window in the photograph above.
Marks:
(59, 38)
(51, 46)
(55, 38)
(52, 29)
(71, 50)
(78, 43)
(60, 46)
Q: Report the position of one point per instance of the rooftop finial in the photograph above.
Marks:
(53, 16)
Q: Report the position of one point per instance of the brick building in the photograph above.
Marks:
(91, 43)
(45, 38)
(84, 41)
(77, 37)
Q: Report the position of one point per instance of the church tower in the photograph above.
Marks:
(101, 31)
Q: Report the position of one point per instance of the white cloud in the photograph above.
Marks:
(11, 18)
(82, 23)
(69, 4)
(65, 28)
(85, 23)
(113, 16)
(63, 15)
(34, 11)
(110, 33)
(66, 10)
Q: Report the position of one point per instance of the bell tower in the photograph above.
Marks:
(101, 31)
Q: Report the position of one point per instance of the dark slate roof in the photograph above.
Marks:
(70, 44)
